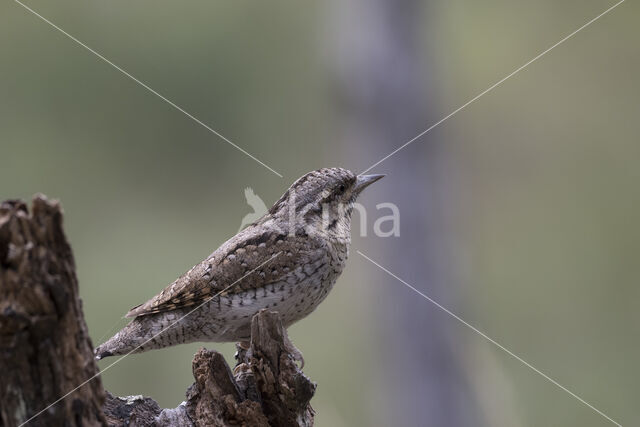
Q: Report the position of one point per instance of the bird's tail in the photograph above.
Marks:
(121, 343)
(142, 334)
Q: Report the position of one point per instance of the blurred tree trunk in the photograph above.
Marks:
(381, 85)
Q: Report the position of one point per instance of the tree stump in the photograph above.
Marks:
(266, 388)
(45, 350)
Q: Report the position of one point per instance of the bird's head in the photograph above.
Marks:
(323, 199)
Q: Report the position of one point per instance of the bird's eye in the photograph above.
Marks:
(342, 188)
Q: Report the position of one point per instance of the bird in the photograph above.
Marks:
(258, 206)
(286, 261)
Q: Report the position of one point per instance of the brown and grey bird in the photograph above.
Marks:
(287, 261)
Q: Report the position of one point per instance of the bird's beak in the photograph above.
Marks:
(363, 181)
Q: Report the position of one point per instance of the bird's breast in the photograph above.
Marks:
(294, 296)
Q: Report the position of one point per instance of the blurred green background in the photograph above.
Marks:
(544, 199)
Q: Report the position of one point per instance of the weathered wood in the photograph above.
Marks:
(45, 350)
(270, 369)
(267, 388)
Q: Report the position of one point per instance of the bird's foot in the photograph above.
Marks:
(293, 350)
(241, 351)
(242, 347)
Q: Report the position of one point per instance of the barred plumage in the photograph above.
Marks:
(287, 261)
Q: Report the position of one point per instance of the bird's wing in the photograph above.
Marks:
(247, 261)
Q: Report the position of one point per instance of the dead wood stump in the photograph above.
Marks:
(45, 350)
(46, 353)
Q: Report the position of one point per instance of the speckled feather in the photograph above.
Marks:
(288, 261)
(228, 264)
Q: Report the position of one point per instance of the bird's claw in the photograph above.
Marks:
(293, 351)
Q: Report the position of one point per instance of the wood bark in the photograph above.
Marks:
(266, 388)
(45, 350)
